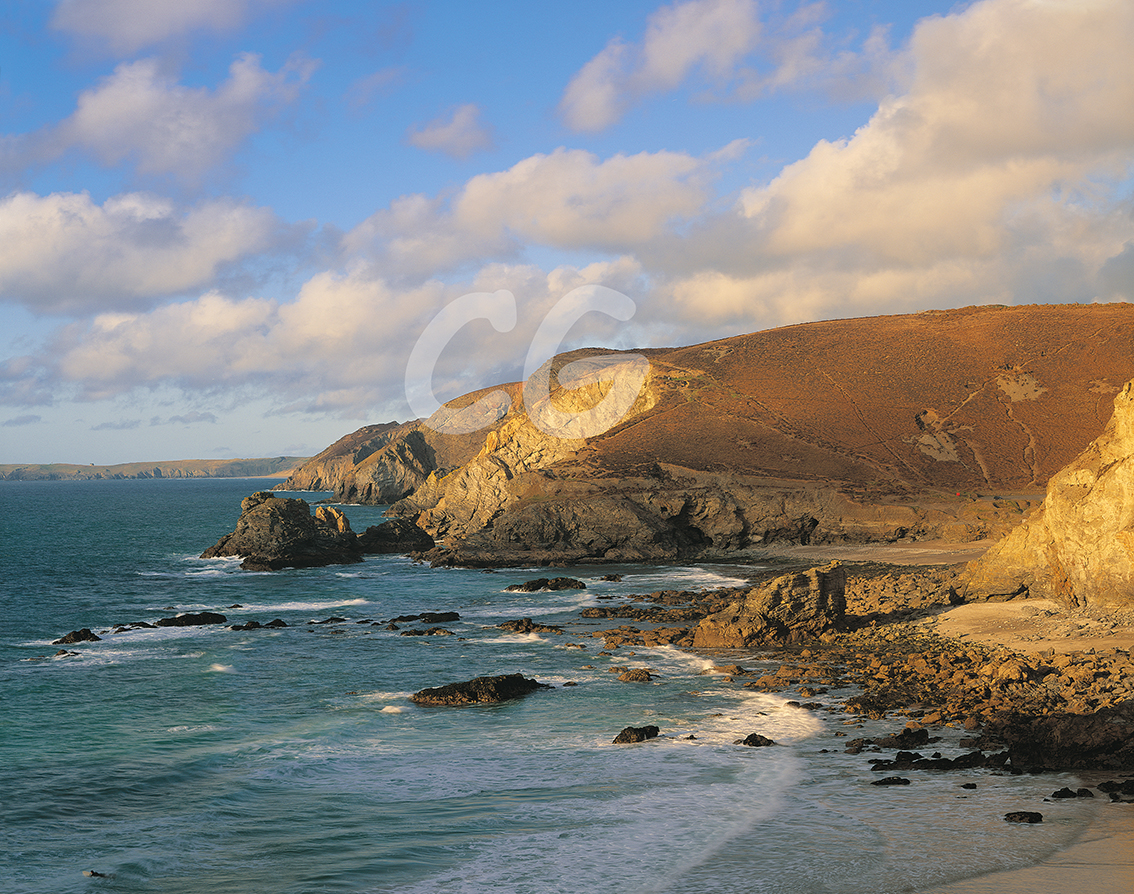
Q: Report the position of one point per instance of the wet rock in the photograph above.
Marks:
(77, 636)
(542, 583)
(754, 740)
(192, 619)
(249, 625)
(280, 532)
(891, 780)
(1063, 741)
(526, 625)
(1023, 816)
(793, 607)
(394, 535)
(481, 690)
(428, 618)
(636, 675)
(276, 623)
(432, 631)
(633, 734)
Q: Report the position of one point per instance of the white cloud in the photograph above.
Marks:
(128, 25)
(62, 253)
(713, 35)
(567, 199)
(459, 135)
(141, 113)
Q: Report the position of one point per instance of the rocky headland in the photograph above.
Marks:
(936, 426)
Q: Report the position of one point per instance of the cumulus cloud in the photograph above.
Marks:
(126, 26)
(989, 179)
(142, 114)
(459, 135)
(568, 199)
(63, 253)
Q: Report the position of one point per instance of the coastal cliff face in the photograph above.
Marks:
(1078, 548)
(845, 431)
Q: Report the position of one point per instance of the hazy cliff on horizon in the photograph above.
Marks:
(881, 428)
(265, 467)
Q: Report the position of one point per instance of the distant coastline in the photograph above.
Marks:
(264, 467)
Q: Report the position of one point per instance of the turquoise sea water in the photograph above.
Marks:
(210, 760)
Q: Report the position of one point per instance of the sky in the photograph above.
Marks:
(225, 225)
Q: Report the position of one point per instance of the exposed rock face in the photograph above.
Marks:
(790, 608)
(1103, 740)
(394, 535)
(1078, 548)
(480, 690)
(274, 533)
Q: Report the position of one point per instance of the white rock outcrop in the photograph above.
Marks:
(1078, 547)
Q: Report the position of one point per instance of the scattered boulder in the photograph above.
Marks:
(636, 675)
(394, 535)
(77, 636)
(481, 690)
(793, 607)
(1078, 548)
(526, 625)
(891, 780)
(754, 740)
(541, 584)
(428, 618)
(280, 532)
(431, 631)
(192, 619)
(1023, 816)
(633, 734)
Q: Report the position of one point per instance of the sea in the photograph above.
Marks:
(202, 759)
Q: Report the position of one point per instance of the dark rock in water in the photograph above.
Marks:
(543, 583)
(77, 636)
(968, 785)
(613, 578)
(192, 619)
(481, 690)
(394, 535)
(633, 734)
(334, 619)
(526, 625)
(428, 618)
(276, 623)
(64, 653)
(280, 532)
(754, 740)
(636, 675)
(250, 625)
(432, 631)
(891, 780)
(788, 609)
(907, 738)
(133, 625)
(1023, 816)
(1063, 793)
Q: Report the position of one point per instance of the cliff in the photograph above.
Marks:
(1078, 548)
(884, 428)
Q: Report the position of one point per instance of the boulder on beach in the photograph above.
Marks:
(481, 690)
(280, 532)
(793, 607)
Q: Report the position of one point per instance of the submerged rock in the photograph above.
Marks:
(790, 608)
(1023, 816)
(280, 532)
(481, 690)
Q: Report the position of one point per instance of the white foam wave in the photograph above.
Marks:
(220, 668)
(301, 606)
(392, 709)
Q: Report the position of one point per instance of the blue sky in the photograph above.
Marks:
(225, 224)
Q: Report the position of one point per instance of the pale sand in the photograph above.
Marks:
(1100, 862)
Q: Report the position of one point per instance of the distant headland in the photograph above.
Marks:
(264, 467)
